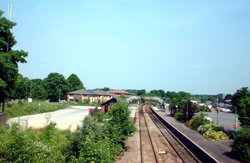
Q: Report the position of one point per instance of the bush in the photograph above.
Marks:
(101, 137)
(197, 121)
(210, 127)
(179, 116)
(241, 144)
(32, 146)
(215, 135)
(203, 109)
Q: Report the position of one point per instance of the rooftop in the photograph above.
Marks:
(90, 92)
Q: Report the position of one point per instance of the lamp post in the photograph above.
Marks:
(235, 117)
(187, 111)
(217, 110)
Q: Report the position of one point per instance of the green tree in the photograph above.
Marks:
(241, 144)
(244, 112)
(239, 95)
(120, 126)
(75, 83)
(38, 90)
(228, 97)
(141, 92)
(9, 59)
(56, 86)
(22, 88)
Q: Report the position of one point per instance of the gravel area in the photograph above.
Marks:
(68, 118)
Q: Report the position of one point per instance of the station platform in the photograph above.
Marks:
(220, 150)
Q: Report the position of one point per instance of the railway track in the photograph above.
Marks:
(157, 143)
(148, 153)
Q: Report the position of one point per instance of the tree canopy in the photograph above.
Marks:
(56, 86)
(141, 92)
(238, 95)
(22, 88)
(9, 59)
(75, 83)
(38, 90)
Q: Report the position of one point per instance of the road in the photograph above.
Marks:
(224, 119)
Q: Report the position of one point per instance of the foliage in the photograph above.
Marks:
(101, 137)
(202, 98)
(239, 95)
(56, 86)
(244, 112)
(228, 97)
(141, 92)
(19, 109)
(215, 135)
(74, 83)
(9, 59)
(159, 93)
(22, 88)
(120, 124)
(210, 127)
(241, 144)
(32, 146)
(203, 108)
(197, 121)
(180, 116)
(38, 90)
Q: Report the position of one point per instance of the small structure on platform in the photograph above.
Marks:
(106, 105)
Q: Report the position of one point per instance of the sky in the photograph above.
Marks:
(197, 46)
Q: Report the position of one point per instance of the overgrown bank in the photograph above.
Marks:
(15, 109)
(100, 139)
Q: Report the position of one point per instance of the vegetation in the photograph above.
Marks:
(9, 59)
(203, 108)
(197, 121)
(74, 83)
(38, 90)
(33, 146)
(102, 136)
(215, 135)
(15, 109)
(244, 112)
(208, 129)
(241, 144)
(56, 86)
(239, 95)
(100, 139)
(141, 92)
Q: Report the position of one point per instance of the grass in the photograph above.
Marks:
(16, 109)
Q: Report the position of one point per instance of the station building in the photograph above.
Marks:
(91, 95)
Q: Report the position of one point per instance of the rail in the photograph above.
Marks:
(189, 144)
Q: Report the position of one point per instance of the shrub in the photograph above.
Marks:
(32, 146)
(101, 137)
(210, 127)
(241, 144)
(197, 121)
(215, 135)
(203, 109)
(179, 116)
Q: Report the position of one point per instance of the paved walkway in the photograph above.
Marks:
(218, 149)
